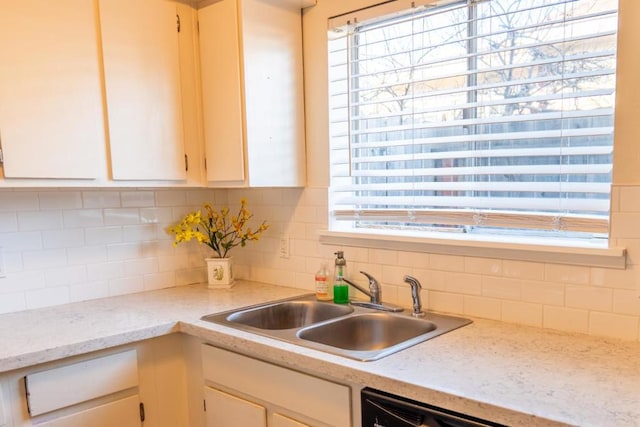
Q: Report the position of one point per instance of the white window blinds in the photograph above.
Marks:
(492, 116)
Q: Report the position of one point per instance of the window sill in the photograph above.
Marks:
(547, 251)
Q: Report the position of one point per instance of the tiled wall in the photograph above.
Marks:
(63, 246)
(70, 245)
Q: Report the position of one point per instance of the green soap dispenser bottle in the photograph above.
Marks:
(340, 287)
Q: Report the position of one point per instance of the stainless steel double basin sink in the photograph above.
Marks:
(355, 332)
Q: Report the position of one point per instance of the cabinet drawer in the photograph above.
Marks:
(71, 384)
(316, 398)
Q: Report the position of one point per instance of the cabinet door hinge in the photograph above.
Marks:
(1, 156)
(178, 21)
(205, 163)
(142, 416)
(186, 162)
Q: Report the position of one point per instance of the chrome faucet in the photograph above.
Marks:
(415, 294)
(374, 293)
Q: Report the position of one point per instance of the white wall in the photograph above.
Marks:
(63, 246)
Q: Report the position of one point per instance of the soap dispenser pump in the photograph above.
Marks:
(340, 287)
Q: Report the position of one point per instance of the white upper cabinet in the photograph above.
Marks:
(51, 116)
(143, 95)
(252, 89)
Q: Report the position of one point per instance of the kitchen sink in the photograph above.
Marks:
(351, 331)
(288, 314)
(368, 331)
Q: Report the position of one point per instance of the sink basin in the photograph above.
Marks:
(367, 332)
(289, 314)
(351, 331)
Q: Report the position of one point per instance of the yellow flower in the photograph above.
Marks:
(217, 229)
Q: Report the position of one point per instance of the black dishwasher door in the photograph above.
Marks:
(380, 409)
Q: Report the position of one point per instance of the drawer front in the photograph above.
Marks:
(71, 384)
(313, 397)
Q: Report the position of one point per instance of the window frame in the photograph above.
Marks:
(570, 251)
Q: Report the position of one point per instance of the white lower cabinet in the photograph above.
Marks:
(122, 413)
(240, 390)
(223, 409)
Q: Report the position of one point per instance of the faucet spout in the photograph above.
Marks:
(415, 294)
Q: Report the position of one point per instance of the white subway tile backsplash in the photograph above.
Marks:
(87, 291)
(523, 269)
(18, 200)
(105, 270)
(446, 262)
(566, 319)
(68, 238)
(613, 325)
(87, 255)
(487, 308)
(48, 258)
(12, 302)
(614, 278)
(40, 220)
(121, 216)
(381, 256)
(101, 199)
(522, 312)
(626, 302)
(393, 274)
(543, 292)
(588, 297)
(82, 218)
(8, 222)
(488, 266)
(503, 288)
(572, 274)
(126, 285)
(139, 267)
(21, 241)
(47, 297)
(463, 283)
(60, 199)
(69, 245)
(413, 259)
(66, 276)
(137, 199)
(158, 215)
(22, 281)
(139, 233)
(171, 198)
(443, 302)
(163, 280)
(103, 235)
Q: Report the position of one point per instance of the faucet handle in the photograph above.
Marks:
(374, 288)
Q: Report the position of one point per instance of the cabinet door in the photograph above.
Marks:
(51, 117)
(273, 90)
(122, 413)
(226, 410)
(279, 420)
(142, 79)
(221, 89)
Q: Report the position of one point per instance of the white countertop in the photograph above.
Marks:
(506, 373)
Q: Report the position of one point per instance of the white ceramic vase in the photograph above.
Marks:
(220, 273)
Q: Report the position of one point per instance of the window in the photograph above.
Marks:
(479, 117)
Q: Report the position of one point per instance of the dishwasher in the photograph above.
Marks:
(380, 409)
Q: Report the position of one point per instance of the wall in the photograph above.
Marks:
(63, 246)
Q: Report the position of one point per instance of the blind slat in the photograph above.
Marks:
(449, 113)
